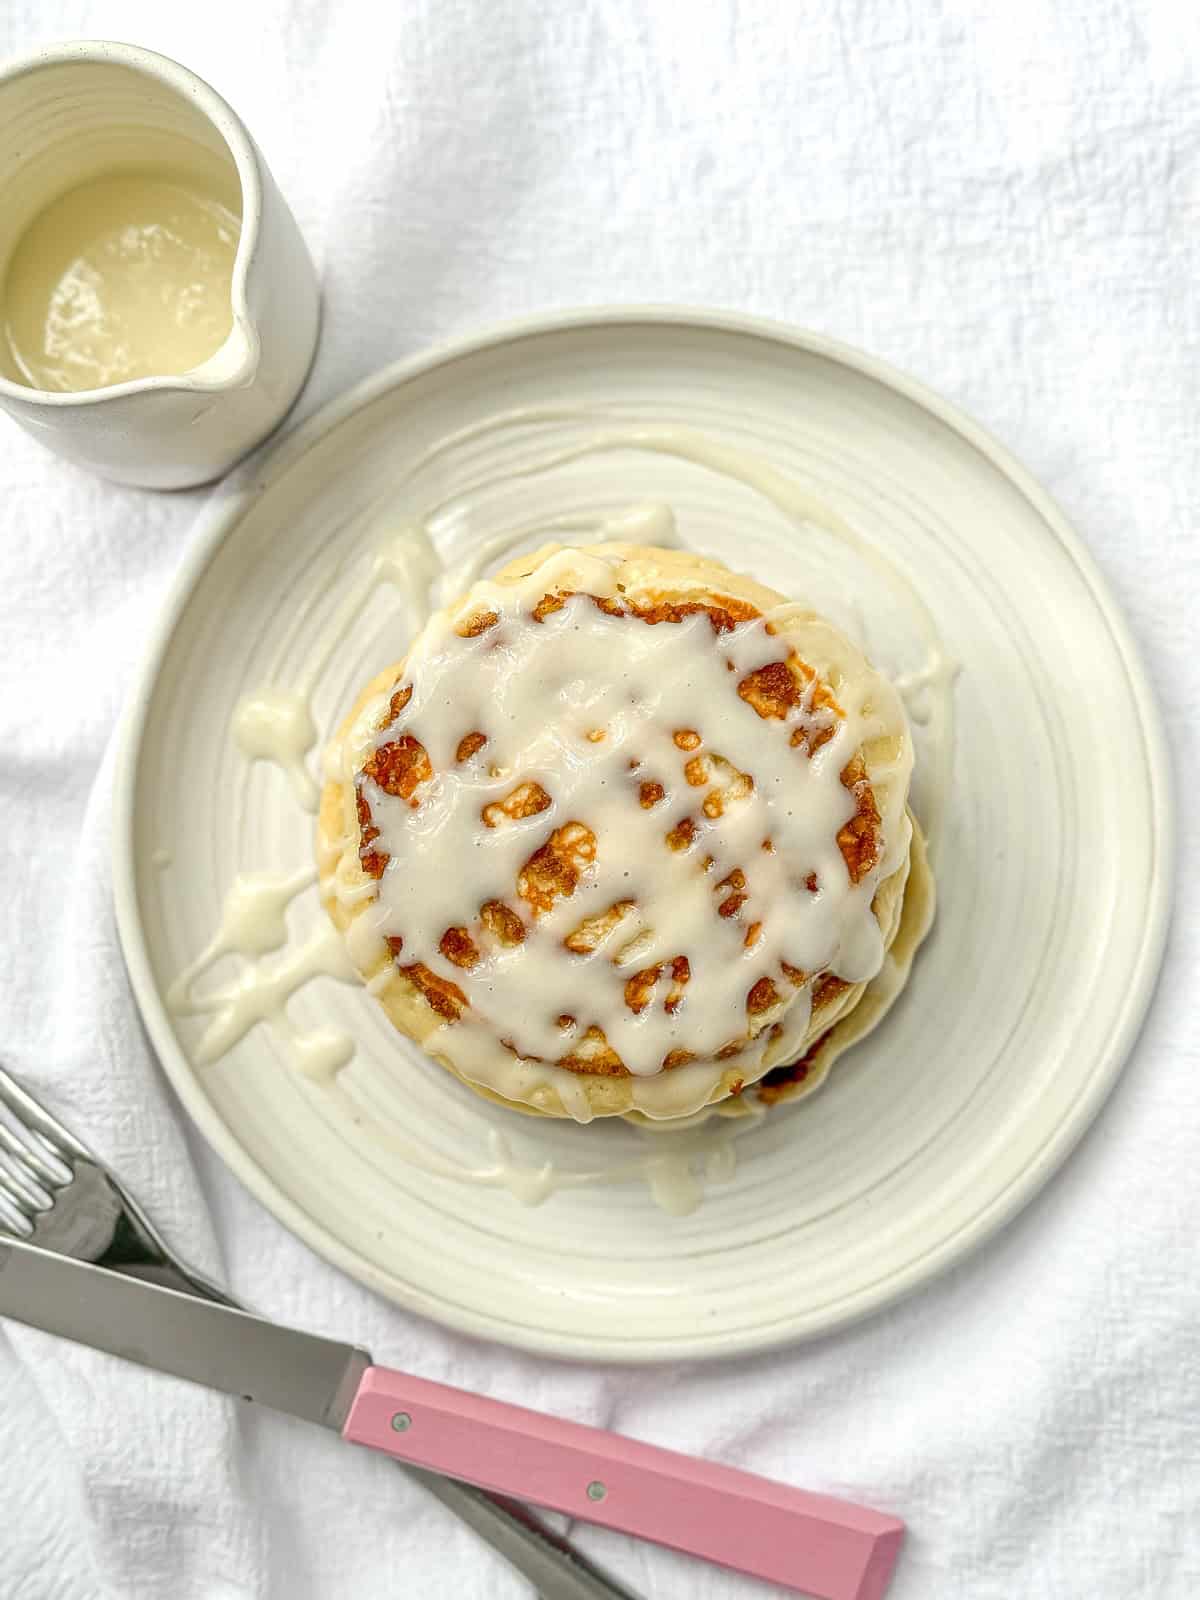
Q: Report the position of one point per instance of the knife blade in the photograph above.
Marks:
(831, 1549)
(200, 1340)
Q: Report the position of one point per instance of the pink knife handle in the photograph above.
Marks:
(827, 1548)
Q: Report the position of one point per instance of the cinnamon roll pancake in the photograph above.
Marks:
(625, 833)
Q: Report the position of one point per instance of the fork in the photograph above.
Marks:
(54, 1193)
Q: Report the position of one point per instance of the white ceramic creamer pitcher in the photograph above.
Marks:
(74, 113)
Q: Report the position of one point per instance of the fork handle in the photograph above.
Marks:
(830, 1549)
(555, 1569)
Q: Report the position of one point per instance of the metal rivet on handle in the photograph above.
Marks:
(401, 1422)
(596, 1490)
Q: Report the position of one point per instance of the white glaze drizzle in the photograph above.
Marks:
(261, 994)
(410, 562)
(542, 692)
(276, 724)
(677, 1170)
(253, 924)
(648, 522)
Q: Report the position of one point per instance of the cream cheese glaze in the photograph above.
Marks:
(583, 707)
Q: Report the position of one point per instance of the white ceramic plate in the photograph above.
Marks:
(1054, 866)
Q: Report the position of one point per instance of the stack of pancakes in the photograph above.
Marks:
(626, 833)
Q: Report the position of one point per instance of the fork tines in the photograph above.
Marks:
(33, 1163)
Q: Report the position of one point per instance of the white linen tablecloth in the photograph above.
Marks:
(1001, 196)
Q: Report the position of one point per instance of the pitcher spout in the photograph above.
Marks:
(234, 364)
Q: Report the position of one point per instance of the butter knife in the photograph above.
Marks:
(830, 1549)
